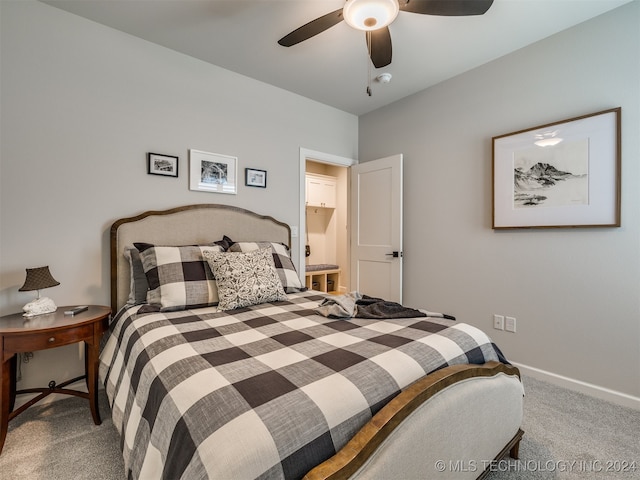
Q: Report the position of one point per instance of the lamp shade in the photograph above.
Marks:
(37, 279)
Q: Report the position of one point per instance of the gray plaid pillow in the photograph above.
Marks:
(179, 277)
(245, 279)
(281, 259)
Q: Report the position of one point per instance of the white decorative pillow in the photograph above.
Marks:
(281, 259)
(179, 277)
(245, 279)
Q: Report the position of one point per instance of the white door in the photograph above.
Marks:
(376, 228)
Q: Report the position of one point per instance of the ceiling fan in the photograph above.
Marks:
(374, 17)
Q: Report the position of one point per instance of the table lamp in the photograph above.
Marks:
(37, 279)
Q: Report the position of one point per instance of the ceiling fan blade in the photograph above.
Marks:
(314, 27)
(380, 47)
(446, 7)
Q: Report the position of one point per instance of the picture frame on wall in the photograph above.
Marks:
(159, 164)
(562, 174)
(255, 178)
(212, 172)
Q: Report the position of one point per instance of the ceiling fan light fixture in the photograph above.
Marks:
(370, 14)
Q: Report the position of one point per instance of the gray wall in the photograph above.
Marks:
(82, 104)
(575, 292)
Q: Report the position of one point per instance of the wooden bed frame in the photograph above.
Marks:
(413, 436)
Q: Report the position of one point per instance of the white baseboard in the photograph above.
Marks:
(590, 389)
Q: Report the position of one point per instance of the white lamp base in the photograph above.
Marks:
(39, 306)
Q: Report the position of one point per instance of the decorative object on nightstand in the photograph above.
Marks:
(37, 279)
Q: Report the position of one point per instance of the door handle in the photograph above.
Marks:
(394, 254)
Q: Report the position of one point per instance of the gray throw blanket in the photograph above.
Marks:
(339, 306)
(371, 307)
(354, 304)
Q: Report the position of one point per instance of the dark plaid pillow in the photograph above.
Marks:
(137, 278)
(282, 260)
(179, 277)
(225, 243)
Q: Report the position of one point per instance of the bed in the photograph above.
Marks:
(231, 371)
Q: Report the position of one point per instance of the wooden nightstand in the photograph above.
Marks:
(20, 334)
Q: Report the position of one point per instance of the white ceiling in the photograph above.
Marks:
(332, 67)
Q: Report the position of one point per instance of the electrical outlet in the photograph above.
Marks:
(510, 324)
(498, 322)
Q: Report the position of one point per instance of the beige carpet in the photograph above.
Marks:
(59, 441)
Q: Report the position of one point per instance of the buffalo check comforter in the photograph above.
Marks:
(268, 391)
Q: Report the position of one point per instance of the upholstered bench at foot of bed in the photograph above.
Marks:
(455, 434)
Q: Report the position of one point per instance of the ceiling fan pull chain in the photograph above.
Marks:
(368, 34)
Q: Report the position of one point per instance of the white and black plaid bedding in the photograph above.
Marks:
(267, 391)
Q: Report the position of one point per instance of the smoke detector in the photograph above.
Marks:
(384, 78)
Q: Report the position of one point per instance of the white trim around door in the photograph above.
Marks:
(306, 154)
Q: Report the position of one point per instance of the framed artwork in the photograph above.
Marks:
(212, 172)
(255, 178)
(563, 174)
(158, 164)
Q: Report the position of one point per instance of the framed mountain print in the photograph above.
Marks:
(562, 174)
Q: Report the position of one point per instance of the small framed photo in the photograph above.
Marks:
(255, 178)
(563, 174)
(212, 172)
(158, 164)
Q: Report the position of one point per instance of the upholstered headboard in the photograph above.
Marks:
(186, 225)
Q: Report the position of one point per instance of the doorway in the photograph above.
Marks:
(324, 226)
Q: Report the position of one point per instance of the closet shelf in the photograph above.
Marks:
(326, 280)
